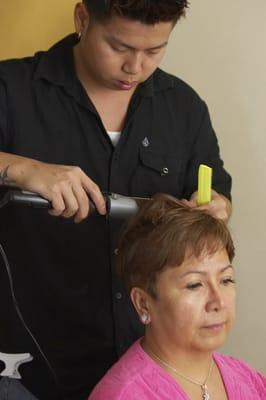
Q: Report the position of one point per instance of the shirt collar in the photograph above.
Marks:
(157, 82)
(57, 64)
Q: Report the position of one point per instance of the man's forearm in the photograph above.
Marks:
(4, 178)
(12, 169)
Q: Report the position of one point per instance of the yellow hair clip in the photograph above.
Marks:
(204, 185)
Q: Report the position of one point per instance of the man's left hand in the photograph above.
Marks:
(219, 207)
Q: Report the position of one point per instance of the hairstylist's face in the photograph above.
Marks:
(120, 53)
(195, 307)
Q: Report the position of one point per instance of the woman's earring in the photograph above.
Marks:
(79, 35)
(145, 319)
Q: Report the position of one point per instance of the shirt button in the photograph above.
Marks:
(118, 296)
(116, 252)
(145, 142)
(165, 171)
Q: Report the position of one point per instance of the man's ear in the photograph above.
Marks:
(140, 300)
(81, 18)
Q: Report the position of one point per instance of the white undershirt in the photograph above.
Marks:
(114, 136)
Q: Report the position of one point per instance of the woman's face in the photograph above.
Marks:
(195, 306)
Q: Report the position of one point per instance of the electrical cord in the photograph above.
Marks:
(19, 313)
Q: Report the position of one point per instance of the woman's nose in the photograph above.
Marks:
(216, 299)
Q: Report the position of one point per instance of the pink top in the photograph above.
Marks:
(137, 376)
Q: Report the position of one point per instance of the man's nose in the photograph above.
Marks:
(133, 64)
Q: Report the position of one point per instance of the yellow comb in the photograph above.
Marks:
(204, 185)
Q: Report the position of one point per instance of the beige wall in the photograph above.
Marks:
(220, 50)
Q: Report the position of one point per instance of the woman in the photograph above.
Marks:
(176, 263)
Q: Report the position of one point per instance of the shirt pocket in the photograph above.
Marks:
(157, 173)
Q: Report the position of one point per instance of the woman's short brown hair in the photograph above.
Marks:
(163, 234)
(146, 11)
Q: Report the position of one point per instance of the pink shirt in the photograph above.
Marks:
(137, 376)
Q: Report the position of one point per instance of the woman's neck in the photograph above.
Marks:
(193, 364)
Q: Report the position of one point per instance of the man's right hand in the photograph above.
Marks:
(68, 188)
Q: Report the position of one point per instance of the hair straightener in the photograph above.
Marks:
(117, 206)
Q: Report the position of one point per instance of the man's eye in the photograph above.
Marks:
(228, 281)
(119, 49)
(153, 52)
(193, 286)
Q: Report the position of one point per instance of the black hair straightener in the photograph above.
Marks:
(117, 206)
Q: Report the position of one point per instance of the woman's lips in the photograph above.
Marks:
(215, 327)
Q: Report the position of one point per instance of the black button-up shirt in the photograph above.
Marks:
(64, 273)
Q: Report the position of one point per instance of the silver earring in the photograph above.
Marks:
(79, 35)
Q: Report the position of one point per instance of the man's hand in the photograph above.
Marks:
(219, 207)
(68, 188)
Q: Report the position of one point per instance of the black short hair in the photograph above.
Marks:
(146, 11)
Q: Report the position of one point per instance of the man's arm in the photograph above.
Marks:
(205, 150)
(66, 187)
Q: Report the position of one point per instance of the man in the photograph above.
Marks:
(94, 114)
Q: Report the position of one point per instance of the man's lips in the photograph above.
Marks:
(125, 84)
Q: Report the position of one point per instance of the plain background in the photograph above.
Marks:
(219, 49)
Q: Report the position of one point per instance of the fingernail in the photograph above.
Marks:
(103, 209)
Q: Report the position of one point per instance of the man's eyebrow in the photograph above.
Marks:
(119, 42)
(205, 273)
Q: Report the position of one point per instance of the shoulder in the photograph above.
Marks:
(238, 370)
(53, 66)
(126, 378)
(16, 93)
(172, 85)
(178, 97)
(18, 71)
(17, 83)
(233, 363)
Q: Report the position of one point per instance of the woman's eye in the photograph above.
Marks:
(228, 281)
(193, 286)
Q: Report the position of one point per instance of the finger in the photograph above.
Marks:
(83, 203)
(205, 207)
(190, 203)
(70, 200)
(184, 201)
(194, 196)
(95, 194)
(209, 207)
(216, 212)
(58, 205)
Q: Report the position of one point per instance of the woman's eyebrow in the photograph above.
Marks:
(204, 272)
